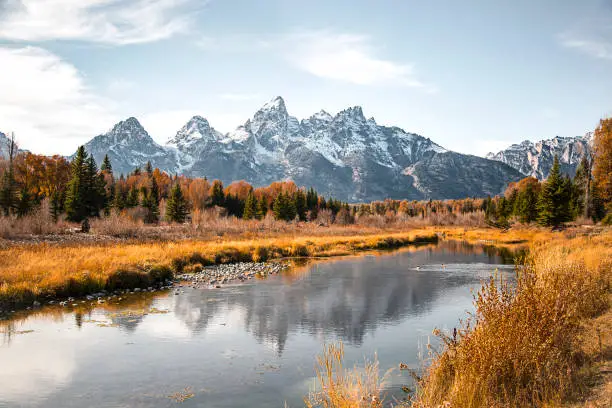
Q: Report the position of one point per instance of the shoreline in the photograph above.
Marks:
(33, 275)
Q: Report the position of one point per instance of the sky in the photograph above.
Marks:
(473, 75)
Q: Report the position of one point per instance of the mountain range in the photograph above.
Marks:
(345, 156)
(536, 159)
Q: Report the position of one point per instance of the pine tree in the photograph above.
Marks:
(24, 203)
(119, 198)
(301, 207)
(553, 204)
(8, 192)
(582, 187)
(312, 202)
(8, 188)
(149, 169)
(527, 204)
(250, 207)
(106, 165)
(284, 208)
(56, 205)
(132, 199)
(262, 208)
(76, 209)
(176, 207)
(217, 197)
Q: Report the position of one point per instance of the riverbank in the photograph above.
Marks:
(544, 341)
(39, 273)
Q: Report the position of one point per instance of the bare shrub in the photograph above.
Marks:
(117, 225)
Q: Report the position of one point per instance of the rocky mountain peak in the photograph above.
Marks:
(354, 113)
(197, 128)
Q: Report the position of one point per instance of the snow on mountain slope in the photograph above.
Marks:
(346, 156)
(536, 159)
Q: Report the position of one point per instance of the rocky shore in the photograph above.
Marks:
(208, 277)
(217, 275)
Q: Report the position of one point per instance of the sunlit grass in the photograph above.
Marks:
(30, 272)
(523, 346)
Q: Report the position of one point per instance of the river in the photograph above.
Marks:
(251, 344)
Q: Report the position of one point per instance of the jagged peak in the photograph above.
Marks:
(321, 115)
(354, 112)
(128, 124)
(277, 104)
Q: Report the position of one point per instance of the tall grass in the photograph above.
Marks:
(338, 387)
(523, 345)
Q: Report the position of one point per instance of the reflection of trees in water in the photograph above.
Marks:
(347, 298)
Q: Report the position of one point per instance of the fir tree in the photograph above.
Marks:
(119, 198)
(553, 204)
(132, 199)
(24, 203)
(284, 208)
(106, 165)
(262, 208)
(217, 197)
(56, 205)
(8, 192)
(250, 207)
(8, 188)
(176, 207)
(301, 207)
(76, 209)
(149, 169)
(527, 205)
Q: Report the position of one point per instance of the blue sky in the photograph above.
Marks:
(474, 76)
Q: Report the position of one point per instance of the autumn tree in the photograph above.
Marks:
(602, 161)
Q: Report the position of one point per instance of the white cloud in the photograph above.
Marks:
(45, 101)
(105, 21)
(348, 57)
(592, 37)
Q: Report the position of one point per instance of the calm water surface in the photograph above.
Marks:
(245, 345)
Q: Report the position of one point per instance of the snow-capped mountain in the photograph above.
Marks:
(536, 159)
(128, 146)
(346, 156)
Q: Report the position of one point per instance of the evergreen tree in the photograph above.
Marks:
(284, 208)
(8, 192)
(250, 207)
(262, 208)
(176, 207)
(76, 209)
(149, 169)
(24, 203)
(132, 199)
(582, 188)
(217, 197)
(8, 188)
(527, 204)
(553, 204)
(56, 205)
(300, 205)
(120, 198)
(106, 165)
(312, 202)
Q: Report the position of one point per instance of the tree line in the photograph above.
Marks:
(79, 190)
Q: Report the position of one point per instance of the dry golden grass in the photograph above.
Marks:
(524, 345)
(32, 271)
(338, 387)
